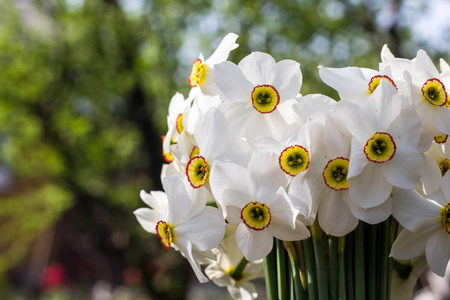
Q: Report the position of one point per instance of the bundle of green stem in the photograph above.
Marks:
(355, 266)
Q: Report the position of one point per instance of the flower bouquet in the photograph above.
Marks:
(326, 199)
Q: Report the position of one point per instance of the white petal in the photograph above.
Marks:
(424, 63)
(147, 218)
(157, 200)
(288, 79)
(406, 127)
(358, 159)
(253, 244)
(233, 84)
(179, 202)
(437, 252)
(205, 231)
(373, 215)
(228, 180)
(406, 167)
(223, 50)
(349, 82)
(370, 188)
(282, 210)
(413, 211)
(185, 247)
(409, 244)
(266, 144)
(431, 180)
(266, 175)
(386, 54)
(212, 134)
(445, 186)
(284, 232)
(300, 195)
(258, 67)
(335, 217)
(383, 106)
(441, 118)
(443, 65)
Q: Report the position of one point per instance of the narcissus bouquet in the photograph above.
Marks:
(326, 199)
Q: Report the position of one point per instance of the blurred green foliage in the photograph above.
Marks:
(84, 91)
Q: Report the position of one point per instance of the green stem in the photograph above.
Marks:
(296, 283)
(319, 257)
(360, 278)
(310, 269)
(341, 266)
(372, 262)
(349, 266)
(281, 280)
(237, 272)
(303, 273)
(384, 258)
(333, 259)
(270, 274)
(393, 232)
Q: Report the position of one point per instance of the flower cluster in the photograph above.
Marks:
(250, 159)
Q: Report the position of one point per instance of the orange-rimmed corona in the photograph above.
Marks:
(197, 171)
(294, 160)
(265, 98)
(335, 173)
(256, 215)
(441, 139)
(380, 147)
(165, 233)
(375, 82)
(433, 90)
(197, 73)
(179, 123)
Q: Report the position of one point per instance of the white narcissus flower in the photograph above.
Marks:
(429, 94)
(182, 221)
(215, 144)
(384, 147)
(201, 79)
(232, 270)
(254, 89)
(426, 223)
(254, 199)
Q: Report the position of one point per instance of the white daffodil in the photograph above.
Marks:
(232, 270)
(182, 221)
(215, 144)
(426, 223)
(201, 79)
(429, 95)
(254, 199)
(355, 84)
(405, 275)
(254, 89)
(384, 147)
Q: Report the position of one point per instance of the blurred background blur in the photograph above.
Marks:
(84, 91)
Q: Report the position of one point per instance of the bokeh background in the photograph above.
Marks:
(84, 91)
